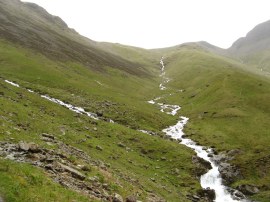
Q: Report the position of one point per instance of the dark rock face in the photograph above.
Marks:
(207, 194)
(248, 189)
(229, 173)
(202, 166)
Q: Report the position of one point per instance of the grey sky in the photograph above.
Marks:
(160, 23)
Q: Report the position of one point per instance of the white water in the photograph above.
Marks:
(164, 79)
(212, 179)
(12, 83)
(78, 110)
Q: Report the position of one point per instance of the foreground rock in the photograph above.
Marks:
(202, 166)
(203, 195)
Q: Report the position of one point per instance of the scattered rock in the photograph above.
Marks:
(163, 158)
(23, 146)
(32, 147)
(74, 173)
(48, 136)
(99, 113)
(176, 171)
(117, 198)
(131, 198)
(85, 168)
(120, 144)
(99, 148)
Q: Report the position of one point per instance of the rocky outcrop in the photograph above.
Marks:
(248, 189)
(229, 173)
(202, 166)
(203, 195)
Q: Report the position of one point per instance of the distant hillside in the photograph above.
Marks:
(254, 49)
(258, 39)
(31, 26)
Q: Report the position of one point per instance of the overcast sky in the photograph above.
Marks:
(160, 23)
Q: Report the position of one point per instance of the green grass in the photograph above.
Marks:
(21, 182)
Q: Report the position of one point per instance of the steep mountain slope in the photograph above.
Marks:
(255, 47)
(258, 39)
(31, 26)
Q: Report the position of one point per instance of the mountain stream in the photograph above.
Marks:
(211, 179)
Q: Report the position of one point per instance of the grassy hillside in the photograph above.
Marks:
(228, 109)
(226, 99)
(74, 83)
(31, 26)
(121, 97)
